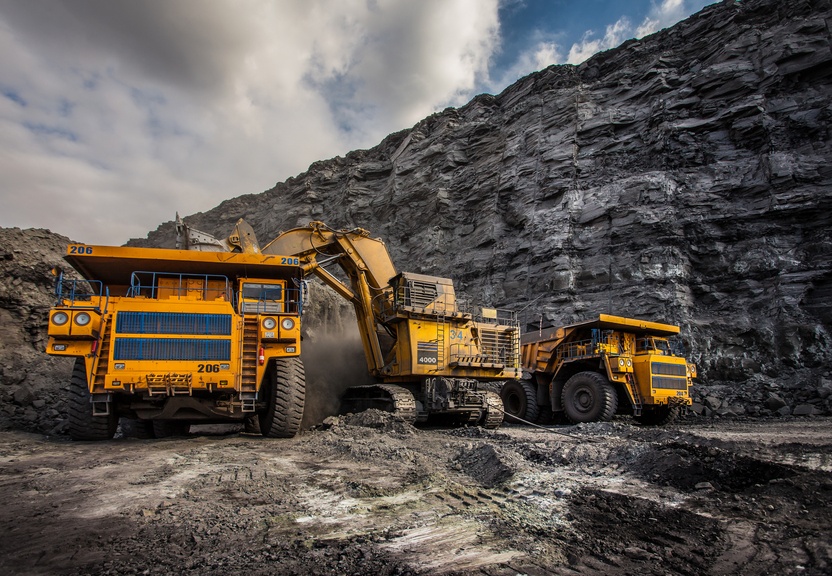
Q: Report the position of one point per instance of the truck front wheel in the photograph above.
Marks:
(519, 400)
(285, 395)
(589, 397)
(657, 416)
(82, 424)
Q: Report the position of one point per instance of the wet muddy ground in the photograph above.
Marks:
(370, 495)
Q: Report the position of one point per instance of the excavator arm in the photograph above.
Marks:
(363, 259)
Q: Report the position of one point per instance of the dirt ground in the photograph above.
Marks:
(370, 495)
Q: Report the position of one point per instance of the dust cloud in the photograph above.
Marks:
(332, 354)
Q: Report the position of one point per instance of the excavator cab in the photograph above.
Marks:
(419, 293)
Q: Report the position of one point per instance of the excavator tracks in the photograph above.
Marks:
(493, 413)
(387, 397)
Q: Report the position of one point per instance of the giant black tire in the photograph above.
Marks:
(285, 395)
(519, 401)
(168, 428)
(657, 416)
(82, 424)
(135, 428)
(589, 397)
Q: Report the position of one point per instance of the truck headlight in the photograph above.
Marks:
(82, 319)
(269, 323)
(287, 323)
(621, 362)
(59, 318)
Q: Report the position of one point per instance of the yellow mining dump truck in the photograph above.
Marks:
(165, 338)
(429, 352)
(592, 370)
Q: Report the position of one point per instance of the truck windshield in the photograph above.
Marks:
(653, 345)
(258, 297)
(264, 292)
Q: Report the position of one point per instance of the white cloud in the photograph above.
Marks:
(661, 15)
(541, 55)
(114, 115)
(614, 35)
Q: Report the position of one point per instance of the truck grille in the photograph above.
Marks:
(173, 323)
(665, 369)
(171, 349)
(670, 383)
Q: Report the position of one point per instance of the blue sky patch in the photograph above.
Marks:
(14, 96)
(50, 131)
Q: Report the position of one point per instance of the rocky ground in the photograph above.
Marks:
(369, 495)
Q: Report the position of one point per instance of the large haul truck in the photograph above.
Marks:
(165, 338)
(592, 370)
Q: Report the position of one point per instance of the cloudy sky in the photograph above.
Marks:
(115, 114)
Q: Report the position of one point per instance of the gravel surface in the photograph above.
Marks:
(366, 494)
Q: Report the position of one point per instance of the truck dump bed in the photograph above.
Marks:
(113, 265)
(603, 322)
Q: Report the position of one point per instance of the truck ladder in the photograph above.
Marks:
(248, 364)
(102, 363)
(440, 342)
(100, 368)
(637, 404)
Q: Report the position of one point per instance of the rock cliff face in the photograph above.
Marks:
(684, 177)
(29, 379)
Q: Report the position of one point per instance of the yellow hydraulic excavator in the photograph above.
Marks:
(428, 351)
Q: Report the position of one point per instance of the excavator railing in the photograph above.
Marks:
(487, 355)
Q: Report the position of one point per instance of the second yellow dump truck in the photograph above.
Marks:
(592, 370)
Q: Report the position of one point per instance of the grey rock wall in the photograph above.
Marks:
(684, 177)
(30, 380)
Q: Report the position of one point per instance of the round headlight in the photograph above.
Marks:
(269, 323)
(82, 319)
(287, 323)
(59, 318)
(629, 363)
(621, 361)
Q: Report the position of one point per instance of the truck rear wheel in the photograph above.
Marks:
(82, 424)
(519, 400)
(657, 416)
(589, 397)
(285, 395)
